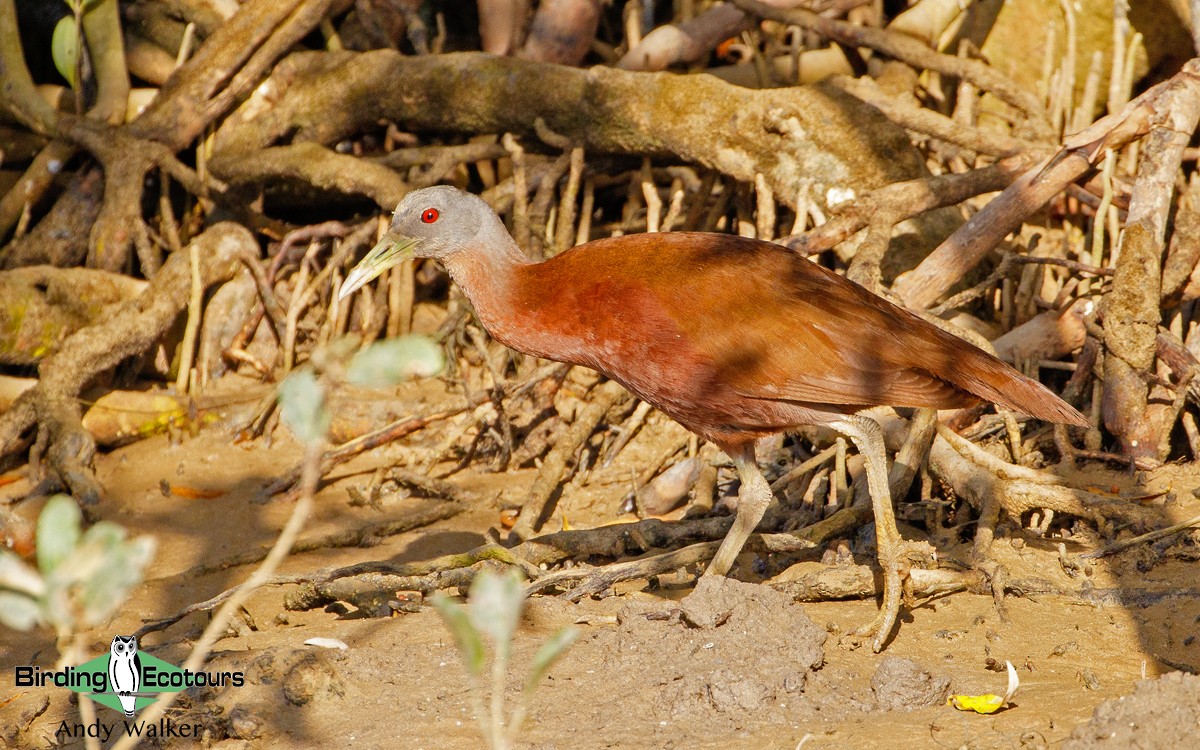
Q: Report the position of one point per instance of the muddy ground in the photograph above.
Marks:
(735, 665)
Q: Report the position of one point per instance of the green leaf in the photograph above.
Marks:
(19, 612)
(97, 577)
(548, 654)
(302, 406)
(64, 48)
(465, 636)
(388, 362)
(16, 576)
(124, 568)
(57, 531)
(495, 606)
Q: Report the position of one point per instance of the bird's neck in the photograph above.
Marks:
(489, 279)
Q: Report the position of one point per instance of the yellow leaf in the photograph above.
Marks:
(980, 704)
(989, 703)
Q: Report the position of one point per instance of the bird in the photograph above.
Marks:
(125, 671)
(733, 338)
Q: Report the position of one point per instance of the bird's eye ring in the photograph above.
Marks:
(429, 215)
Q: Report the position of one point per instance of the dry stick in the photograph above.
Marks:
(315, 165)
(764, 211)
(1182, 362)
(72, 656)
(866, 266)
(520, 209)
(653, 202)
(539, 505)
(403, 158)
(1184, 254)
(584, 233)
(596, 580)
(298, 303)
(907, 199)
(972, 242)
(540, 213)
(565, 230)
(911, 51)
(1172, 415)
(675, 209)
(691, 222)
(401, 297)
(1151, 536)
(33, 184)
(928, 122)
(1193, 434)
(1117, 94)
(1060, 115)
(220, 621)
(627, 431)
(352, 448)
(187, 349)
(453, 570)
(717, 210)
(803, 468)
(1132, 309)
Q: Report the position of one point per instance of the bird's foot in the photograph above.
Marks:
(996, 577)
(896, 560)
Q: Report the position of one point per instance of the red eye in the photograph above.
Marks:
(429, 215)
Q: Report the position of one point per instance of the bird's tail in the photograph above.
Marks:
(992, 380)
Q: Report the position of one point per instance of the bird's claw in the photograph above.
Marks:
(896, 560)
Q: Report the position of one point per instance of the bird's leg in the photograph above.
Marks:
(892, 549)
(753, 500)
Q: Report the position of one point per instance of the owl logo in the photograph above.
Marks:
(125, 671)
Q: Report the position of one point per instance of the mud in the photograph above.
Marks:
(678, 664)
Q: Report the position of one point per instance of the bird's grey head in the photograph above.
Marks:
(434, 222)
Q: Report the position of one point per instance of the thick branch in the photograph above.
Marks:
(226, 68)
(319, 167)
(1131, 309)
(813, 132)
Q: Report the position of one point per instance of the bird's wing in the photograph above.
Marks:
(777, 326)
(761, 320)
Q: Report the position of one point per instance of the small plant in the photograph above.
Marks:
(82, 577)
(493, 609)
(67, 40)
